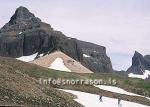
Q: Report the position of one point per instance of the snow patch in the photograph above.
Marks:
(92, 100)
(28, 58)
(144, 76)
(20, 32)
(87, 56)
(58, 64)
(41, 55)
(117, 90)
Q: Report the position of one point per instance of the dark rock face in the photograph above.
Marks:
(70, 47)
(98, 60)
(26, 34)
(11, 46)
(140, 63)
(147, 57)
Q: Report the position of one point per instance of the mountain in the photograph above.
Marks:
(140, 64)
(26, 34)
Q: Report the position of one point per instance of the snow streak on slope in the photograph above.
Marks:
(144, 76)
(20, 32)
(117, 90)
(58, 64)
(92, 100)
(87, 56)
(28, 58)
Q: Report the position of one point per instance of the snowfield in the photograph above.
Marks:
(28, 58)
(118, 90)
(115, 90)
(58, 64)
(144, 76)
(92, 100)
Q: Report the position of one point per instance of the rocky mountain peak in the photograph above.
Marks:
(136, 53)
(140, 63)
(22, 20)
(21, 13)
(137, 59)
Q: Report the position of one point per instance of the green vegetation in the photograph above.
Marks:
(17, 88)
(19, 85)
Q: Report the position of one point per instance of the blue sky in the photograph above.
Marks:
(122, 26)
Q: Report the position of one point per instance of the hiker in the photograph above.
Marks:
(119, 102)
(100, 98)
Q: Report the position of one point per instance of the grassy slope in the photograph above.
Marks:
(21, 79)
(17, 88)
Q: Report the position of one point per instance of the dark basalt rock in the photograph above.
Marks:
(140, 63)
(20, 15)
(26, 34)
(11, 46)
(147, 57)
(98, 60)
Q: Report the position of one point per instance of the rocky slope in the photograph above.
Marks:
(26, 34)
(70, 63)
(140, 63)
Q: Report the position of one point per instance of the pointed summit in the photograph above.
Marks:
(22, 20)
(140, 63)
(137, 53)
(21, 13)
(137, 59)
